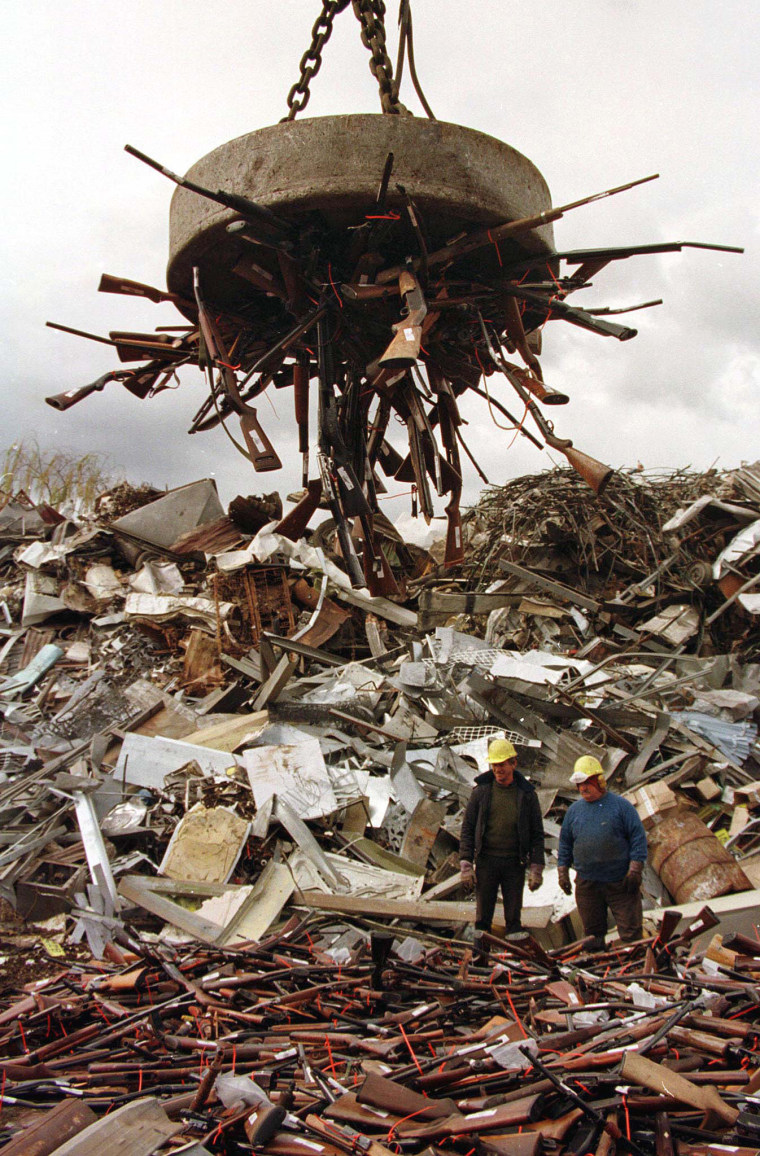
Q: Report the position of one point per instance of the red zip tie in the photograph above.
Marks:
(411, 1049)
(627, 1117)
(139, 1080)
(391, 216)
(496, 247)
(403, 1120)
(226, 365)
(477, 356)
(554, 279)
(514, 1013)
(234, 1057)
(49, 1028)
(23, 1036)
(335, 291)
(332, 1061)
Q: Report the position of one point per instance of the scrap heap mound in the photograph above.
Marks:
(231, 787)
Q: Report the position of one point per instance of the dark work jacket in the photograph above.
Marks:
(530, 828)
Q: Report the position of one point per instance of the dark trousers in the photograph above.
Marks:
(490, 874)
(593, 899)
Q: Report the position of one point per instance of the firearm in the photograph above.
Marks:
(260, 450)
(140, 382)
(301, 399)
(592, 261)
(404, 349)
(571, 313)
(328, 437)
(483, 237)
(275, 229)
(62, 401)
(592, 1114)
(595, 473)
(127, 349)
(126, 288)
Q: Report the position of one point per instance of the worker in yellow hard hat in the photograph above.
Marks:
(502, 837)
(603, 837)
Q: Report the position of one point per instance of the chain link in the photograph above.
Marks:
(311, 61)
(371, 16)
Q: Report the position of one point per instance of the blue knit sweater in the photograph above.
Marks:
(600, 839)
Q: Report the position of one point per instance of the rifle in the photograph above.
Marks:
(592, 261)
(260, 450)
(139, 382)
(607, 1125)
(571, 313)
(301, 399)
(151, 348)
(483, 237)
(595, 473)
(63, 401)
(404, 349)
(275, 228)
(124, 287)
(328, 433)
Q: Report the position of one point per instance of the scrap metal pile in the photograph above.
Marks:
(397, 261)
(231, 795)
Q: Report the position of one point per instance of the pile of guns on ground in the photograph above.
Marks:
(641, 1049)
(365, 310)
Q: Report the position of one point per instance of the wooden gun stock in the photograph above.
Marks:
(263, 454)
(293, 525)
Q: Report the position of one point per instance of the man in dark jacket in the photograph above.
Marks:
(502, 834)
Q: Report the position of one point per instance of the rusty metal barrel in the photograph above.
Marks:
(324, 172)
(690, 861)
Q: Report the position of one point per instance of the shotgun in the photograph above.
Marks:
(275, 228)
(63, 401)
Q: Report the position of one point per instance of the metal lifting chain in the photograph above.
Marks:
(371, 16)
(311, 61)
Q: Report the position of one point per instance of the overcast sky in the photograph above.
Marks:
(595, 93)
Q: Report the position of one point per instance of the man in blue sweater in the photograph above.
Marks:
(604, 839)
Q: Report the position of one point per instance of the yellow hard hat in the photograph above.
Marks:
(586, 767)
(499, 750)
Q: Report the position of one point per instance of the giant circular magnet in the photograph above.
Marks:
(323, 174)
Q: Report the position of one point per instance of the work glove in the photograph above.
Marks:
(535, 876)
(633, 878)
(467, 872)
(563, 878)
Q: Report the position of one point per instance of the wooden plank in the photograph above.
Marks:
(276, 683)
(226, 735)
(134, 888)
(435, 606)
(418, 910)
(136, 1129)
(421, 832)
(53, 1129)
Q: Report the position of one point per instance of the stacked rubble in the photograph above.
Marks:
(224, 772)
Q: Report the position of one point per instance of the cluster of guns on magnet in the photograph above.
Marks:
(381, 338)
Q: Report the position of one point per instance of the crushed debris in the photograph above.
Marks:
(231, 788)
